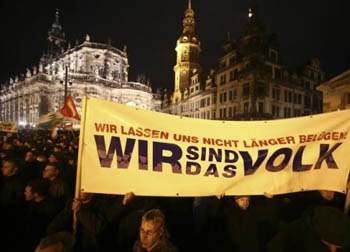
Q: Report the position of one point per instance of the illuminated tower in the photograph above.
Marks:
(56, 42)
(187, 55)
(56, 37)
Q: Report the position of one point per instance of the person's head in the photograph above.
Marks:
(57, 242)
(51, 171)
(27, 144)
(71, 160)
(85, 197)
(30, 156)
(327, 195)
(242, 202)
(7, 146)
(9, 168)
(57, 148)
(17, 143)
(36, 190)
(152, 228)
(53, 158)
(41, 158)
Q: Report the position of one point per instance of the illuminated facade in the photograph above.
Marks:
(89, 69)
(250, 82)
(336, 92)
(187, 59)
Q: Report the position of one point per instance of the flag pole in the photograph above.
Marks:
(73, 133)
(79, 165)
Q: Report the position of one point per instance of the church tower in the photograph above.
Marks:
(56, 42)
(187, 55)
(56, 37)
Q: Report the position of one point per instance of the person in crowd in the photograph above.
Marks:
(57, 242)
(39, 211)
(123, 214)
(324, 198)
(179, 216)
(7, 151)
(59, 189)
(57, 148)
(320, 229)
(70, 170)
(31, 169)
(236, 226)
(201, 207)
(91, 221)
(11, 201)
(42, 161)
(131, 209)
(153, 235)
(56, 156)
(119, 222)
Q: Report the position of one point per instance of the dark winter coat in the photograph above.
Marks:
(306, 233)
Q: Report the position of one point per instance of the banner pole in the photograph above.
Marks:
(347, 203)
(79, 164)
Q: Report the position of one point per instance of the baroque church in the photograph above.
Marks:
(250, 81)
(87, 69)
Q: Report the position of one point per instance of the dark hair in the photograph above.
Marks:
(56, 165)
(156, 216)
(64, 240)
(39, 186)
(13, 161)
(58, 156)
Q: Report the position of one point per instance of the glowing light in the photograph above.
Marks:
(250, 13)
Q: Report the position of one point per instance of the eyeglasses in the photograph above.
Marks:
(148, 232)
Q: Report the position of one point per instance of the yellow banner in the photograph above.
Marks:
(9, 127)
(127, 149)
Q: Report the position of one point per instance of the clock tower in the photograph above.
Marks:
(187, 55)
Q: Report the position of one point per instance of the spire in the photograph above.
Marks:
(188, 21)
(254, 24)
(56, 38)
(56, 25)
(57, 16)
(189, 12)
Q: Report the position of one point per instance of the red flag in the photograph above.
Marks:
(69, 110)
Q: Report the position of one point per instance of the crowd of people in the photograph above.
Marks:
(39, 212)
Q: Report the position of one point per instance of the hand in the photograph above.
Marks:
(267, 195)
(128, 197)
(220, 196)
(76, 205)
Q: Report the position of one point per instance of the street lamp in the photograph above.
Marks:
(66, 83)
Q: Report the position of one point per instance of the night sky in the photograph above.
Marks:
(150, 28)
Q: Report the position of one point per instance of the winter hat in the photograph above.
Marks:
(331, 225)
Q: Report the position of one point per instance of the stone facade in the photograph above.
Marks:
(250, 81)
(87, 69)
(336, 92)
